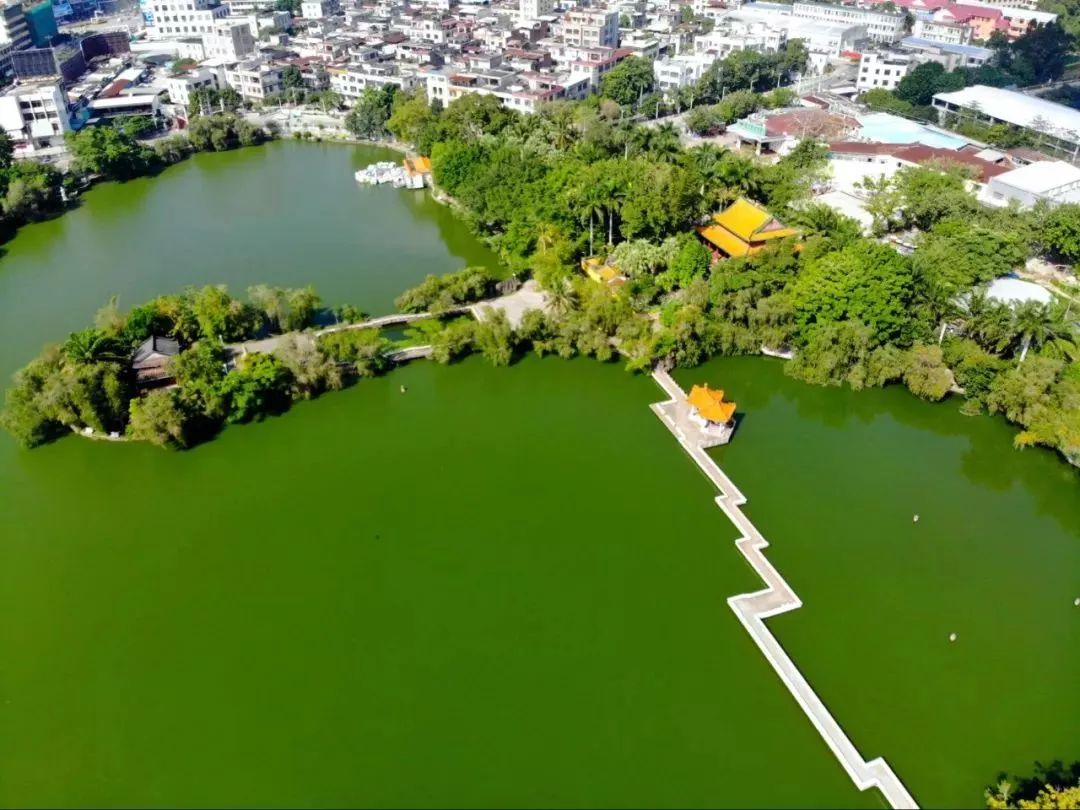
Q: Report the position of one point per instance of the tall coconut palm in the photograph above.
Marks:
(92, 346)
(1034, 325)
(638, 140)
(547, 235)
(986, 321)
(665, 144)
(738, 176)
(561, 297)
(616, 191)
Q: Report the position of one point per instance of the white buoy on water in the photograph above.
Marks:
(1076, 601)
(915, 519)
(952, 636)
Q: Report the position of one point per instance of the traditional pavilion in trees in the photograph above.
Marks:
(743, 228)
(710, 412)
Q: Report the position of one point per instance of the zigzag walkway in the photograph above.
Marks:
(777, 597)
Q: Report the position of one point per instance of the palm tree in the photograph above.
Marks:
(639, 138)
(665, 143)
(616, 193)
(92, 346)
(988, 322)
(738, 176)
(546, 236)
(1033, 323)
(1041, 325)
(561, 297)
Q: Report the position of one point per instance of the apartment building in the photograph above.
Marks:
(255, 80)
(589, 28)
(229, 39)
(175, 18)
(352, 81)
(946, 32)
(14, 29)
(675, 72)
(35, 116)
(180, 87)
(881, 26)
(882, 70)
(737, 35)
(533, 9)
(318, 9)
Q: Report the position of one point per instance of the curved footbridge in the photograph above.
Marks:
(777, 597)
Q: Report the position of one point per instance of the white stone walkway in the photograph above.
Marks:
(778, 597)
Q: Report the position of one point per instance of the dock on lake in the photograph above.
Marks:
(777, 597)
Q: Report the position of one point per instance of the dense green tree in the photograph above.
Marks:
(440, 293)
(454, 340)
(690, 263)
(494, 337)
(926, 374)
(628, 81)
(261, 384)
(312, 370)
(865, 281)
(368, 117)
(109, 152)
(411, 116)
(160, 418)
(363, 349)
(1060, 232)
(7, 151)
(955, 255)
(833, 354)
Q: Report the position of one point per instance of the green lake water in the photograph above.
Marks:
(507, 586)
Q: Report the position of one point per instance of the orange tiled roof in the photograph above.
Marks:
(742, 226)
(709, 402)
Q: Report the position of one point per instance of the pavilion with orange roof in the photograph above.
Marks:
(708, 410)
(743, 228)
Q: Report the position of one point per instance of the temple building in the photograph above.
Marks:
(743, 228)
(711, 413)
(151, 361)
(603, 272)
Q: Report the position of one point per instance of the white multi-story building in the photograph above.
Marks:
(35, 116)
(826, 42)
(317, 9)
(14, 29)
(881, 26)
(255, 80)
(944, 32)
(238, 7)
(882, 70)
(177, 18)
(179, 87)
(525, 92)
(738, 35)
(352, 81)
(675, 72)
(589, 28)
(230, 39)
(534, 9)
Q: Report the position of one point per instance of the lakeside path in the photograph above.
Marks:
(777, 597)
(514, 305)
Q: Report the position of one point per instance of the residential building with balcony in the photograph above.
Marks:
(35, 116)
(881, 26)
(882, 70)
(229, 39)
(255, 80)
(589, 28)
